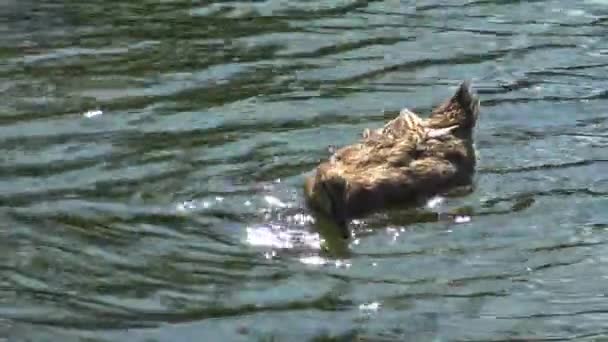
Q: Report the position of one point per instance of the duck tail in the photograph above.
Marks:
(461, 109)
(468, 99)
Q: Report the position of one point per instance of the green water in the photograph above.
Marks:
(152, 155)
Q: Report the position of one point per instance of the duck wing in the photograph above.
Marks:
(407, 123)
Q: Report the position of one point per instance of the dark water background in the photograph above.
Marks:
(152, 155)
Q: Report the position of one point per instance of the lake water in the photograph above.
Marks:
(153, 155)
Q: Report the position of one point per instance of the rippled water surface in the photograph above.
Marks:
(152, 156)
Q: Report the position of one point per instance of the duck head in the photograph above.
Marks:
(328, 194)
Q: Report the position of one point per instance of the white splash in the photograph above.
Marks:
(277, 237)
(185, 206)
(374, 306)
(274, 201)
(301, 219)
(434, 202)
(191, 205)
(313, 260)
(344, 264)
(462, 219)
(270, 255)
(395, 236)
(92, 113)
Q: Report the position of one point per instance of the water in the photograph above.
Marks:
(153, 155)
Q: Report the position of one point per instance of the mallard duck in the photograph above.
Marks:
(408, 160)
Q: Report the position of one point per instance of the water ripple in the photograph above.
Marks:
(178, 213)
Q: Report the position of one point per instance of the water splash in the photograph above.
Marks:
(275, 202)
(462, 219)
(315, 260)
(435, 202)
(92, 113)
(277, 236)
(191, 205)
(370, 307)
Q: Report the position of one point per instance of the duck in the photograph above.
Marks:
(408, 160)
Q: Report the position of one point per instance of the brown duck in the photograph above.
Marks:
(408, 160)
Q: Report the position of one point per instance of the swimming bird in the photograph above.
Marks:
(408, 160)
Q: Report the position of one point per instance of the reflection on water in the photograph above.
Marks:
(153, 155)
